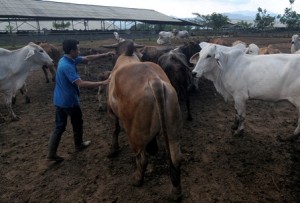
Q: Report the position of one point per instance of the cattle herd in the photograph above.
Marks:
(148, 84)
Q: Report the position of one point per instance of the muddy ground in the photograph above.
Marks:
(217, 167)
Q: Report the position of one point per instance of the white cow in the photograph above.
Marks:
(240, 46)
(181, 34)
(295, 43)
(14, 69)
(164, 37)
(238, 76)
(252, 49)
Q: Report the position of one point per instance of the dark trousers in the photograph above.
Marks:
(61, 118)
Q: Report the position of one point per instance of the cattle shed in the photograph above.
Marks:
(38, 16)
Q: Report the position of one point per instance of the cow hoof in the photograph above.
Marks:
(13, 100)
(234, 127)
(189, 118)
(101, 109)
(238, 133)
(17, 118)
(27, 100)
(176, 194)
(113, 153)
(137, 182)
(2, 120)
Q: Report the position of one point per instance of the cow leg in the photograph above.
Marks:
(296, 133)
(115, 142)
(2, 119)
(175, 154)
(141, 165)
(53, 72)
(45, 73)
(24, 92)
(238, 127)
(14, 98)
(101, 98)
(8, 102)
(188, 105)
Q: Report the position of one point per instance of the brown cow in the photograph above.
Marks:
(220, 41)
(269, 50)
(141, 97)
(55, 55)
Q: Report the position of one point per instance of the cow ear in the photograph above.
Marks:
(138, 45)
(30, 53)
(194, 59)
(218, 56)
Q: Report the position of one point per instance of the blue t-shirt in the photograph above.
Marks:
(66, 92)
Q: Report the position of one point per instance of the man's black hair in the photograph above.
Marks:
(70, 44)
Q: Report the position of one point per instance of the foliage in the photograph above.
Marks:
(244, 24)
(290, 18)
(263, 20)
(61, 25)
(150, 27)
(215, 20)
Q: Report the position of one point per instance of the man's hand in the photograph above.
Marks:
(110, 53)
(104, 82)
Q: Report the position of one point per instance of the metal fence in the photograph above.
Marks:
(17, 39)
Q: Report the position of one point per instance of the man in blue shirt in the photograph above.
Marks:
(66, 97)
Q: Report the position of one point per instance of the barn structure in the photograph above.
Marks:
(39, 20)
(35, 16)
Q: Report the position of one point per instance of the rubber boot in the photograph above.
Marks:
(79, 144)
(52, 148)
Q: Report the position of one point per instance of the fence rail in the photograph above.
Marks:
(24, 38)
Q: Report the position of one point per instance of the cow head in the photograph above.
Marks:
(38, 55)
(206, 60)
(252, 49)
(295, 38)
(189, 49)
(126, 47)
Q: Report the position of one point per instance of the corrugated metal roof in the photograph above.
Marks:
(45, 10)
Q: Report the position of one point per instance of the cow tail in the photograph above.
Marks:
(159, 91)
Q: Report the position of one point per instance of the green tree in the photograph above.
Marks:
(215, 20)
(263, 20)
(290, 18)
(244, 24)
(61, 25)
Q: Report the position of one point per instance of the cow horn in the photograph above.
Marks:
(111, 46)
(138, 45)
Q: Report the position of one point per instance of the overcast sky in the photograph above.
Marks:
(185, 8)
